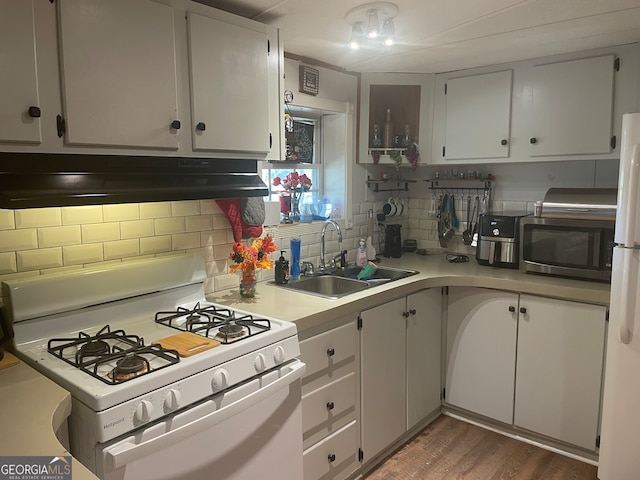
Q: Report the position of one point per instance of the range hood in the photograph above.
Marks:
(30, 180)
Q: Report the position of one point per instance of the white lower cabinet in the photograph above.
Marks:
(400, 367)
(531, 362)
(559, 369)
(330, 402)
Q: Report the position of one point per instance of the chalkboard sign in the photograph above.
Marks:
(303, 141)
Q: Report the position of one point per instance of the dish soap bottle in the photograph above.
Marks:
(282, 270)
(361, 256)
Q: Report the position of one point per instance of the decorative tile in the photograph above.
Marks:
(185, 241)
(39, 259)
(81, 254)
(8, 263)
(100, 232)
(136, 229)
(167, 226)
(38, 217)
(121, 249)
(155, 244)
(185, 208)
(59, 236)
(7, 220)
(81, 214)
(120, 212)
(13, 240)
(155, 210)
(198, 223)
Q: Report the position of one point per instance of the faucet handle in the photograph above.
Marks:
(307, 269)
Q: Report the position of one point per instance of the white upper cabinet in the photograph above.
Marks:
(229, 87)
(572, 107)
(19, 101)
(478, 116)
(118, 69)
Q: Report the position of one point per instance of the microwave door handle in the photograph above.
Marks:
(127, 452)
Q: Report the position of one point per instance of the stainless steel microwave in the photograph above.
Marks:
(569, 247)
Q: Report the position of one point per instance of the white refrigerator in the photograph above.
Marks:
(620, 431)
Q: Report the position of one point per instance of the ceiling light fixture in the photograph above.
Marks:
(366, 21)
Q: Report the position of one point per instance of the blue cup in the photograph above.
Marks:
(295, 258)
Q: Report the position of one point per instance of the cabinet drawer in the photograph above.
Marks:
(334, 457)
(330, 403)
(330, 349)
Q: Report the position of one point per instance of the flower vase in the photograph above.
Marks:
(295, 209)
(248, 284)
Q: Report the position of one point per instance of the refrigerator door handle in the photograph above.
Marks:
(626, 327)
(632, 197)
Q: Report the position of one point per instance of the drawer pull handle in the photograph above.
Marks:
(523, 310)
(330, 406)
(34, 112)
(331, 352)
(412, 311)
(512, 309)
(332, 457)
(405, 314)
(201, 127)
(176, 124)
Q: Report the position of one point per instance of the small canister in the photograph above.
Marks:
(282, 270)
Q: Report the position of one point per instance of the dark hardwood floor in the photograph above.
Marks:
(452, 449)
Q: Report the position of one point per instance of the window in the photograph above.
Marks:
(315, 147)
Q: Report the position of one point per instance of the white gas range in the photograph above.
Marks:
(106, 335)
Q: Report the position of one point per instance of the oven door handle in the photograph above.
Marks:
(127, 452)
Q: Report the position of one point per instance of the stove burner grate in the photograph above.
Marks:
(129, 353)
(214, 322)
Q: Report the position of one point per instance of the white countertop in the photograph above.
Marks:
(309, 311)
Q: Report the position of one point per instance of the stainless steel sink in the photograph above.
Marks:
(329, 286)
(340, 283)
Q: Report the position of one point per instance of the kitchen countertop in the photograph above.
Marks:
(309, 311)
(32, 408)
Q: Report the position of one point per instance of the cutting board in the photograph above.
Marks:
(9, 360)
(187, 343)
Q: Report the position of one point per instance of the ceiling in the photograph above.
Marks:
(443, 35)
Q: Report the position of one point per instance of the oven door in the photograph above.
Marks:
(251, 431)
(569, 247)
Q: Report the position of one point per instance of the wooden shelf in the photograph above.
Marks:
(375, 184)
(460, 183)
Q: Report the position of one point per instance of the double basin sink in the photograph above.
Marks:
(341, 282)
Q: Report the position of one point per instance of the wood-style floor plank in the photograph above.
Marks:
(450, 449)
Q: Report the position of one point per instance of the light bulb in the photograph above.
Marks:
(373, 26)
(388, 32)
(356, 36)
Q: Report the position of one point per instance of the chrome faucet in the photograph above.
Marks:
(324, 229)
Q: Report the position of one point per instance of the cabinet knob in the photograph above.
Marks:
(512, 309)
(331, 352)
(503, 142)
(523, 310)
(412, 311)
(34, 112)
(405, 314)
(331, 457)
(201, 127)
(533, 140)
(330, 406)
(176, 124)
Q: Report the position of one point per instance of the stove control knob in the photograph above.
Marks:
(496, 232)
(172, 400)
(278, 355)
(144, 411)
(260, 363)
(220, 379)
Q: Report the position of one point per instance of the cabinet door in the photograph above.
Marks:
(481, 351)
(423, 354)
(559, 372)
(478, 116)
(383, 387)
(18, 80)
(571, 107)
(229, 86)
(119, 73)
